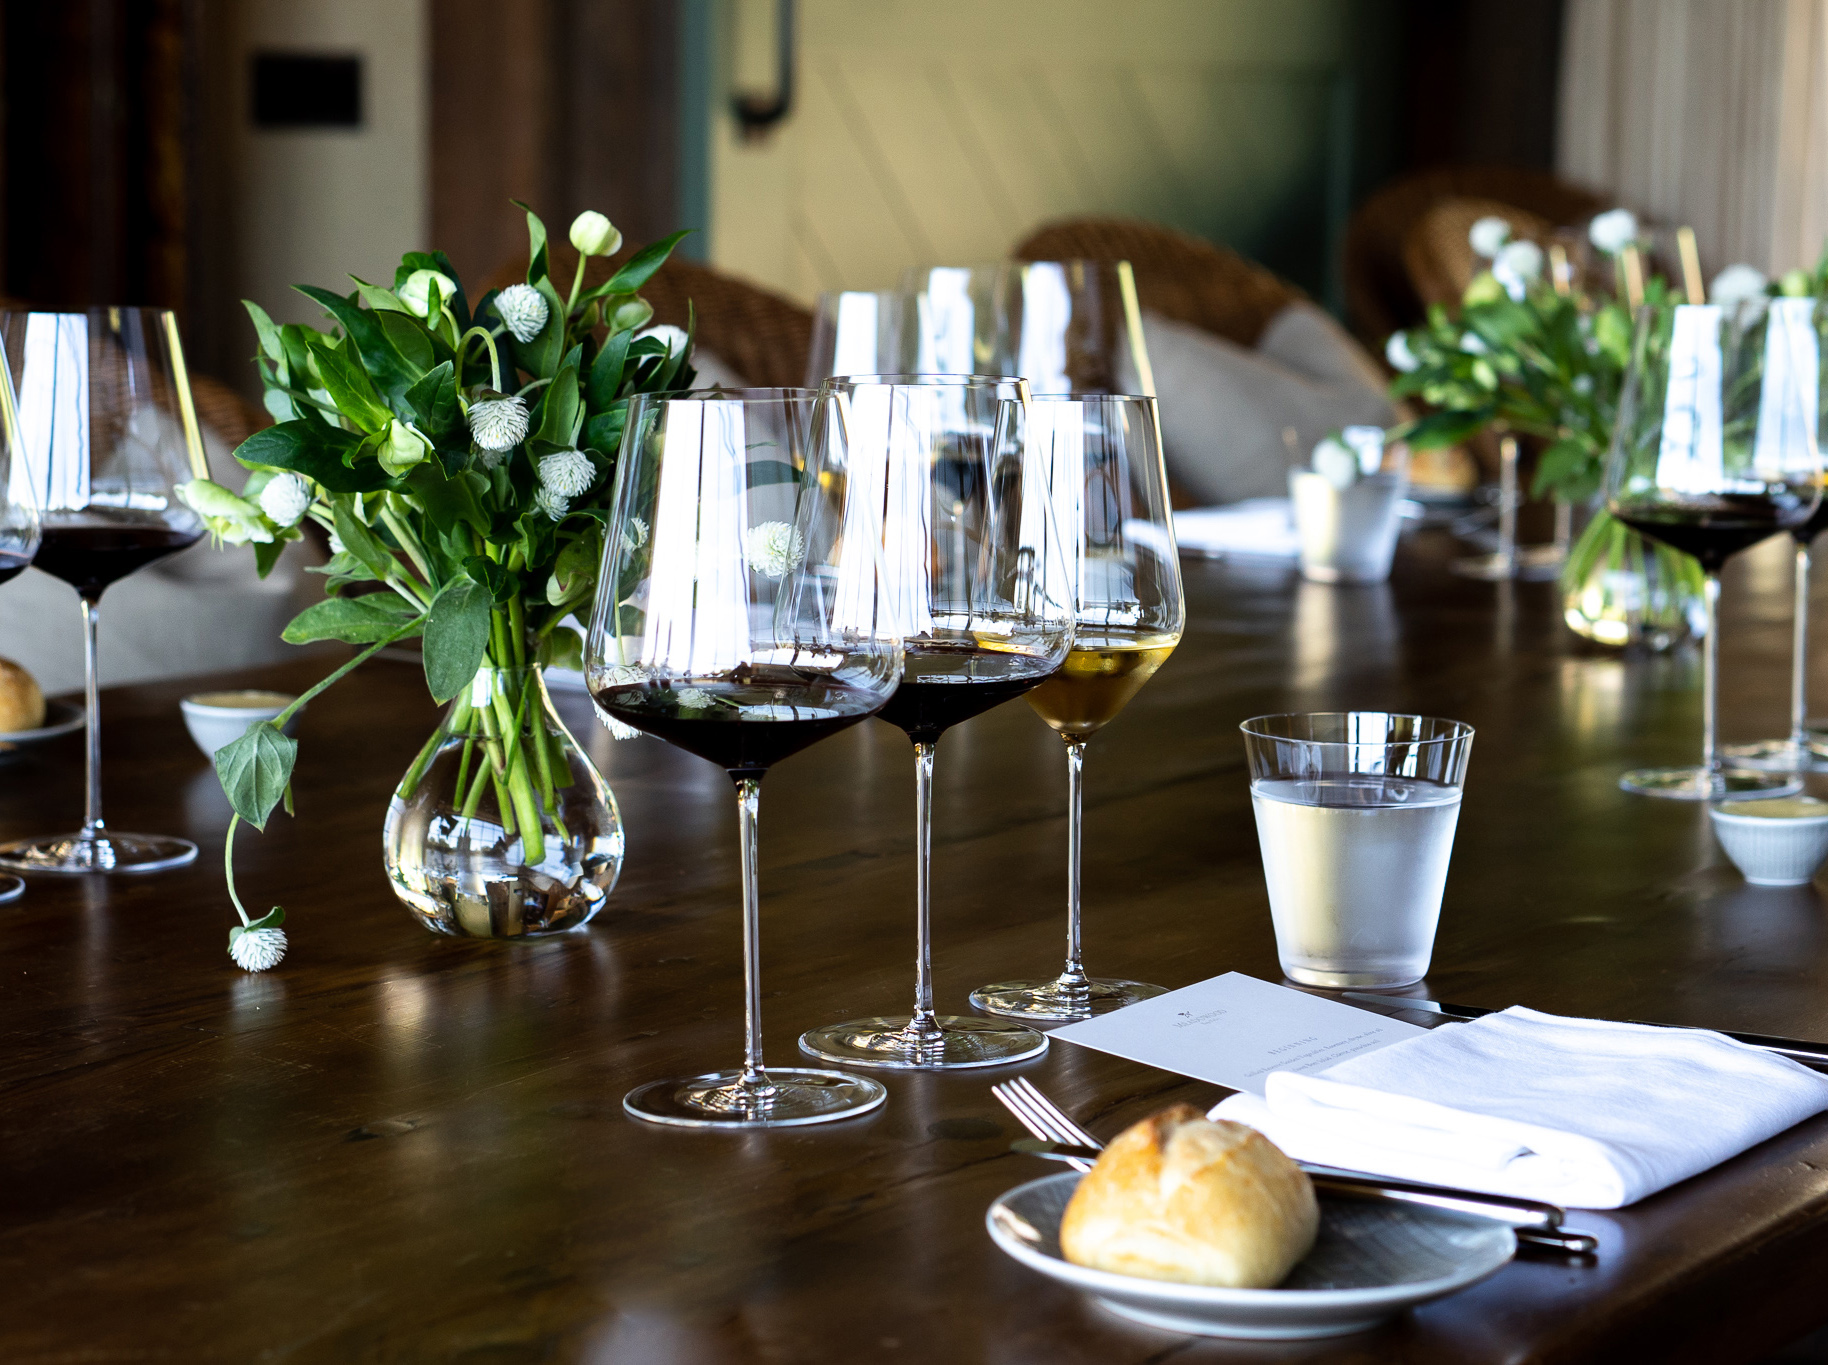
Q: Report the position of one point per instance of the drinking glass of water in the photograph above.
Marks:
(1355, 815)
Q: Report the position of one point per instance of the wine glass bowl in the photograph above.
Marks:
(740, 616)
(1716, 447)
(102, 412)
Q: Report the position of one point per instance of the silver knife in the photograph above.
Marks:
(1796, 1049)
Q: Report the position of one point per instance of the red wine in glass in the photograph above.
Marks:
(11, 566)
(945, 683)
(1713, 528)
(91, 555)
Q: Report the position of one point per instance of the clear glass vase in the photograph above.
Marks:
(1620, 590)
(502, 828)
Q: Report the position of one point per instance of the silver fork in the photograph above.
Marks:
(1536, 1224)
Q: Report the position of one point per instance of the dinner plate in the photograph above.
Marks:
(1371, 1261)
(60, 718)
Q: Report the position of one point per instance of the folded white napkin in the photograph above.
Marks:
(1580, 1112)
(1256, 526)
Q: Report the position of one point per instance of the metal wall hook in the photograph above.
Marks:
(757, 113)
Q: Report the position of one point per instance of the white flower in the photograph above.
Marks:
(523, 311)
(594, 235)
(773, 548)
(416, 293)
(1583, 384)
(1397, 352)
(336, 544)
(1736, 284)
(1473, 344)
(634, 535)
(552, 504)
(1613, 230)
(1488, 235)
(286, 499)
(1519, 264)
(228, 518)
(567, 473)
(673, 338)
(695, 699)
(617, 730)
(498, 423)
(1367, 442)
(1335, 463)
(404, 447)
(255, 950)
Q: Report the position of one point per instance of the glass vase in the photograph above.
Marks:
(502, 828)
(1620, 590)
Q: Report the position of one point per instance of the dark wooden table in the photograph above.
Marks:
(401, 1148)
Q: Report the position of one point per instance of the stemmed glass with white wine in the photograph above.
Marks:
(741, 614)
(1717, 447)
(1110, 491)
(19, 525)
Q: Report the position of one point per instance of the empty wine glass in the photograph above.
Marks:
(19, 525)
(1805, 749)
(1110, 490)
(106, 420)
(985, 597)
(1717, 446)
(741, 615)
(857, 331)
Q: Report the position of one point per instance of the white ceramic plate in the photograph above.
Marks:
(60, 718)
(1371, 1261)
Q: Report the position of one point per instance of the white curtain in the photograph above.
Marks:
(1712, 113)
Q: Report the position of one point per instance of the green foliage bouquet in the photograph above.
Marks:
(461, 461)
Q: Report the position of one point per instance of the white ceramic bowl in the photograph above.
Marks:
(1774, 843)
(1372, 1261)
(218, 718)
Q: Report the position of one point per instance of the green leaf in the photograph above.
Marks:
(315, 449)
(540, 357)
(1445, 428)
(456, 634)
(559, 411)
(379, 299)
(450, 500)
(606, 372)
(267, 555)
(416, 345)
(271, 343)
(383, 361)
(350, 389)
(537, 263)
(642, 265)
(255, 771)
(562, 649)
(361, 542)
(433, 401)
(353, 620)
(502, 585)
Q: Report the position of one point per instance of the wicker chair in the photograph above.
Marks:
(1438, 255)
(1177, 275)
(1379, 295)
(226, 412)
(762, 336)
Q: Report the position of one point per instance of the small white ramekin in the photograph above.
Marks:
(218, 718)
(1774, 843)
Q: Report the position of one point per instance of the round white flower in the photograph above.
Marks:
(1583, 384)
(552, 504)
(336, 544)
(634, 535)
(286, 499)
(1397, 352)
(498, 423)
(773, 548)
(567, 473)
(1736, 284)
(523, 311)
(1473, 344)
(1518, 265)
(594, 235)
(1489, 235)
(255, 950)
(1613, 230)
(695, 699)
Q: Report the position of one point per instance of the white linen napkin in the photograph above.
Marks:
(1260, 527)
(1580, 1112)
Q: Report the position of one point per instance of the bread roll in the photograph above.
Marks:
(21, 703)
(1180, 1197)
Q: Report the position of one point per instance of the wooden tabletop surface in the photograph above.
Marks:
(397, 1147)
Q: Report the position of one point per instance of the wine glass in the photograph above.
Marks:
(1716, 448)
(985, 598)
(1064, 326)
(857, 331)
(740, 615)
(1805, 750)
(1110, 490)
(19, 526)
(106, 419)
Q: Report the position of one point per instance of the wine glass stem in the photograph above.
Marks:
(748, 815)
(1799, 656)
(92, 696)
(1710, 674)
(923, 1021)
(1073, 977)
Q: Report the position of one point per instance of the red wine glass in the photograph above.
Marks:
(1717, 447)
(741, 614)
(986, 597)
(105, 418)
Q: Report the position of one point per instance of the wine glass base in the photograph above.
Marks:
(107, 851)
(1497, 568)
(11, 889)
(1698, 784)
(957, 1043)
(718, 1100)
(1775, 755)
(1052, 1000)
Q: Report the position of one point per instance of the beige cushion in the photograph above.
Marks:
(1225, 407)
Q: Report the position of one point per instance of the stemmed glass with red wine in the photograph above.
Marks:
(973, 547)
(1717, 446)
(742, 615)
(105, 419)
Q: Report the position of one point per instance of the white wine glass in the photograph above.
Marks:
(19, 525)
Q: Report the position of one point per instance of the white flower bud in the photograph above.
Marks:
(1489, 235)
(1397, 352)
(523, 310)
(594, 235)
(498, 423)
(773, 548)
(1613, 230)
(416, 293)
(286, 499)
(255, 950)
(1474, 344)
(1519, 264)
(404, 447)
(674, 338)
(551, 503)
(230, 519)
(567, 473)
(1736, 284)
